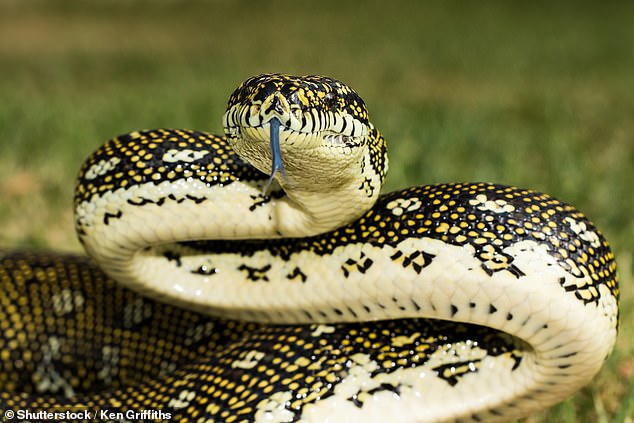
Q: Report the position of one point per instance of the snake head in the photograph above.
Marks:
(299, 129)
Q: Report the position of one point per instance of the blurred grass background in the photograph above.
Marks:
(536, 94)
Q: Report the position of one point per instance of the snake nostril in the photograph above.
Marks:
(330, 100)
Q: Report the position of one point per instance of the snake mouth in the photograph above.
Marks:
(328, 138)
(288, 135)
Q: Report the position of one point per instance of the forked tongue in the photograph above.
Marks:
(276, 153)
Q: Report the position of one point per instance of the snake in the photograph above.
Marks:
(261, 276)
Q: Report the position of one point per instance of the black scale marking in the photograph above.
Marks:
(255, 274)
(297, 273)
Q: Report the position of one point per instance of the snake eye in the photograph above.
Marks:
(330, 101)
(293, 99)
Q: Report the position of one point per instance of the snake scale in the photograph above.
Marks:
(260, 277)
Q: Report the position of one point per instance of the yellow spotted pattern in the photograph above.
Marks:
(116, 349)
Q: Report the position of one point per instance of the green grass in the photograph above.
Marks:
(537, 95)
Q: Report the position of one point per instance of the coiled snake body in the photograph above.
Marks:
(454, 302)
